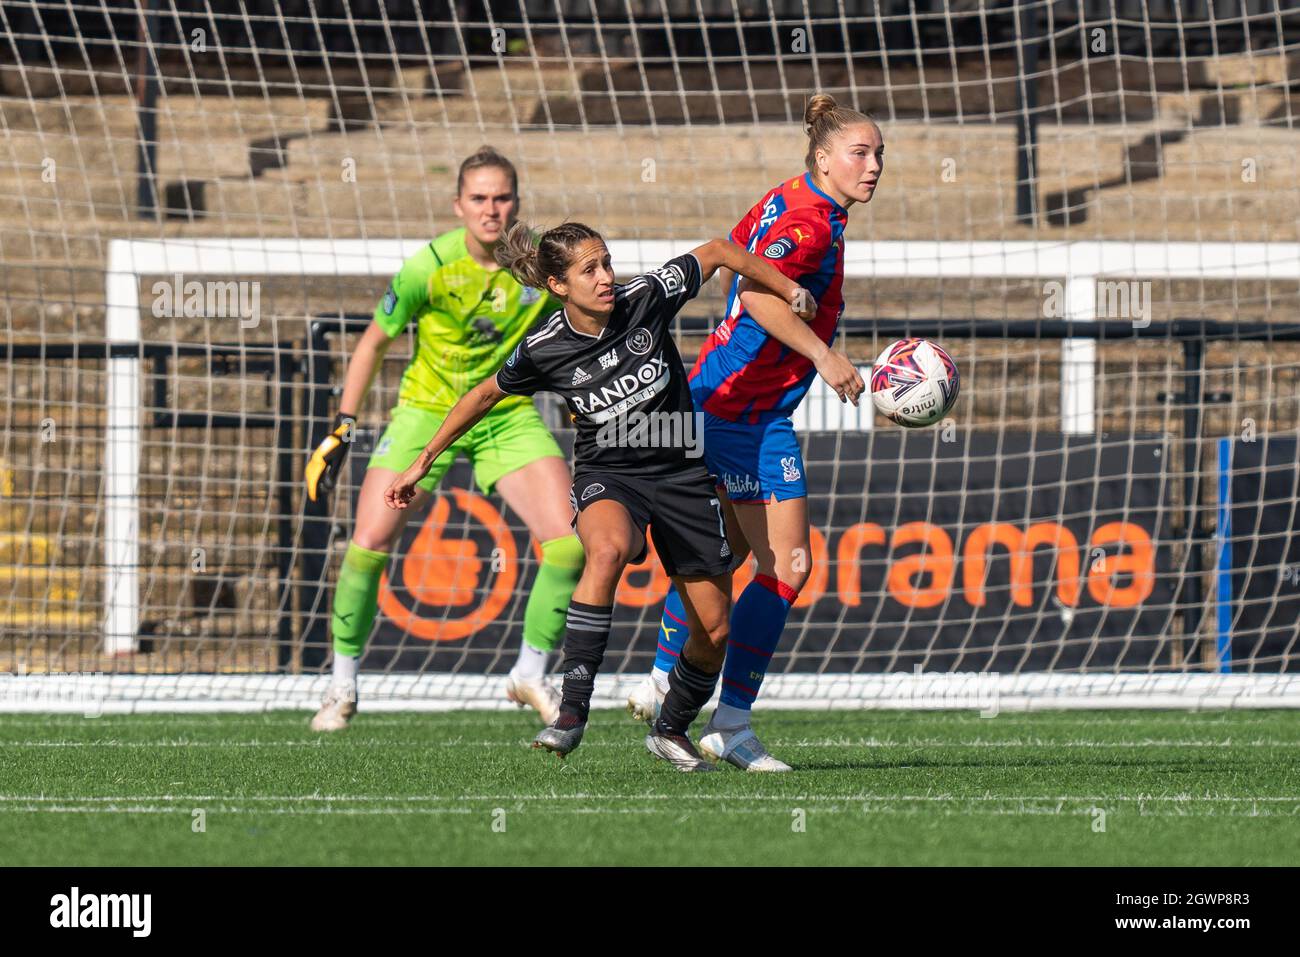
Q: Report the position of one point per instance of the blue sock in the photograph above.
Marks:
(673, 631)
(757, 621)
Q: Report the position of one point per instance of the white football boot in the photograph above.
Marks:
(336, 708)
(677, 750)
(538, 694)
(646, 699)
(738, 746)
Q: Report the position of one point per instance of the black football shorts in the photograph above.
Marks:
(681, 509)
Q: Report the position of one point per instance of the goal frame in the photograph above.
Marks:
(1077, 265)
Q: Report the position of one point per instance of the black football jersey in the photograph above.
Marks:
(626, 388)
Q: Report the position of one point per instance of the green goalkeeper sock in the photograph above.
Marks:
(356, 599)
(562, 561)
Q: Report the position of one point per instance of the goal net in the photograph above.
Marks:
(1092, 207)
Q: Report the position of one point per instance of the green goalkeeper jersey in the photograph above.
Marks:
(468, 321)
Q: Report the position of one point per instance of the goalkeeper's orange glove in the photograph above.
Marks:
(325, 463)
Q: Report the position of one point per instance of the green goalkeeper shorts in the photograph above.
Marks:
(500, 443)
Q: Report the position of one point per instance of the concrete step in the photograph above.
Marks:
(528, 93)
(932, 158)
(1254, 104)
(219, 117)
(932, 88)
(1149, 210)
(87, 238)
(757, 156)
(52, 281)
(88, 117)
(118, 116)
(18, 241)
(74, 195)
(395, 166)
(32, 154)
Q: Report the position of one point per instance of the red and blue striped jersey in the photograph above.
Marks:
(742, 373)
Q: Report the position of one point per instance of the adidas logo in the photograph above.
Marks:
(579, 377)
(578, 674)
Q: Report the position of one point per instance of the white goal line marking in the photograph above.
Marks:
(446, 693)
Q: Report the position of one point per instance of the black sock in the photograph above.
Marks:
(689, 690)
(586, 632)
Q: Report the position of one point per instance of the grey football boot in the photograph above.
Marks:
(562, 736)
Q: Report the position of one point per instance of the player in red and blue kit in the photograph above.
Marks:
(751, 374)
(747, 382)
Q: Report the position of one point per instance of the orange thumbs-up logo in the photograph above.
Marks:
(450, 573)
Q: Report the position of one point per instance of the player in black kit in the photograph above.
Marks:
(610, 354)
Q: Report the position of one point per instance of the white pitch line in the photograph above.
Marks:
(280, 719)
(583, 796)
(351, 812)
(907, 798)
(1031, 743)
(776, 742)
(1044, 811)
(383, 719)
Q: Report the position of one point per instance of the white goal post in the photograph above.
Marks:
(1077, 265)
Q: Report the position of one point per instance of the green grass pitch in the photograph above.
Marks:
(893, 788)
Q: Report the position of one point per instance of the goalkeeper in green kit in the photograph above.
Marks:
(470, 315)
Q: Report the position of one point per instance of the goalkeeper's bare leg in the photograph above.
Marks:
(545, 512)
(356, 594)
(539, 494)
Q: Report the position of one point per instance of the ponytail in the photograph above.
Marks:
(533, 262)
(824, 120)
(518, 254)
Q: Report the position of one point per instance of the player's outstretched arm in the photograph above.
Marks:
(362, 366)
(326, 462)
(464, 415)
(776, 319)
(768, 296)
(721, 253)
